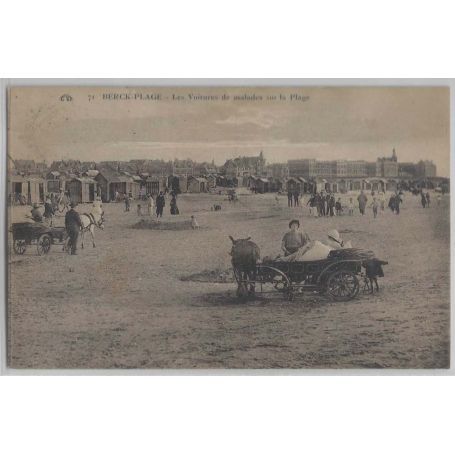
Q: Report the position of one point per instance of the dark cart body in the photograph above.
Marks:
(338, 278)
(26, 234)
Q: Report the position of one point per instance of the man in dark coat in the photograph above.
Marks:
(331, 204)
(73, 226)
(362, 199)
(289, 198)
(160, 203)
(48, 211)
(295, 195)
(327, 204)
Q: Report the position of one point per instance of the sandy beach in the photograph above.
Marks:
(124, 304)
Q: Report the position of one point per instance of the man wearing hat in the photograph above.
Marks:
(294, 240)
(335, 241)
(73, 225)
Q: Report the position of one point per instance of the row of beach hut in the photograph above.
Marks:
(108, 184)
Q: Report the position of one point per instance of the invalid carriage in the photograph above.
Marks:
(340, 276)
(27, 234)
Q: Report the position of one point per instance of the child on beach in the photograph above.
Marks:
(338, 207)
(194, 223)
(375, 205)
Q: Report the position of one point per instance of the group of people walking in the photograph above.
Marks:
(425, 199)
(155, 206)
(326, 204)
(293, 198)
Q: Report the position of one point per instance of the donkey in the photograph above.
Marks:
(89, 222)
(245, 254)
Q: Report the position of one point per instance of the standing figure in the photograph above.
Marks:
(160, 203)
(331, 204)
(327, 204)
(423, 199)
(139, 210)
(127, 202)
(174, 208)
(296, 198)
(392, 203)
(48, 211)
(362, 199)
(338, 207)
(439, 198)
(194, 223)
(150, 204)
(428, 198)
(382, 200)
(351, 207)
(375, 206)
(398, 201)
(312, 202)
(289, 198)
(73, 226)
(322, 204)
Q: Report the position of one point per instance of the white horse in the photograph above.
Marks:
(89, 222)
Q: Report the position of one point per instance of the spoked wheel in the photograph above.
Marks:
(273, 277)
(342, 285)
(44, 244)
(19, 246)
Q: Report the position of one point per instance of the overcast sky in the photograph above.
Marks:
(322, 123)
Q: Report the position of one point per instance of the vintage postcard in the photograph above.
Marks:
(228, 227)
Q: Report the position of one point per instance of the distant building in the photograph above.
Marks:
(387, 166)
(305, 168)
(278, 170)
(197, 185)
(407, 170)
(243, 167)
(357, 168)
(426, 169)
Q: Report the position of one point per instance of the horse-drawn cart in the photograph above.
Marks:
(26, 234)
(339, 276)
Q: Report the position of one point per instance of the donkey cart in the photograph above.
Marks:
(26, 234)
(339, 276)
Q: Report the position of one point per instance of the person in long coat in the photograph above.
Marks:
(423, 199)
(289, 198)
(331, 204)
(174, 208)
(160, 203)
(48, 211)
(322, 203)
(362, 198)
(73, 226)
(150, 204)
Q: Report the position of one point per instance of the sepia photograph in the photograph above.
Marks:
(252, 228)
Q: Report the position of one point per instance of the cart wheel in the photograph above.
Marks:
(342, 285)
(44, 244)
(19, 246)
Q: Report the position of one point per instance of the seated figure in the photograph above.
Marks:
(315, 250)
